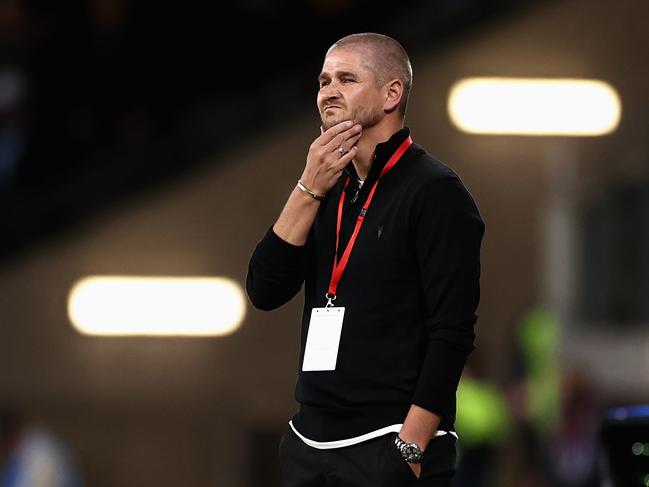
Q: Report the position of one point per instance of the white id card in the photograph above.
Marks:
(323, 338)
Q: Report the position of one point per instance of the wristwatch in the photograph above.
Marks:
(410, 452)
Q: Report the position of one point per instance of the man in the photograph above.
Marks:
(386, 241)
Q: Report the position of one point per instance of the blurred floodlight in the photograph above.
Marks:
(127, 305)
(534, 106)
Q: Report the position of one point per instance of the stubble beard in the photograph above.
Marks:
(329, 122)
(365, 118)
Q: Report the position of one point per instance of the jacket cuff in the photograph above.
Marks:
(440, 375)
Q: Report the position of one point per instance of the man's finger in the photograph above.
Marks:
(328, 135)
(343, 138)
(350, 142)
(342, 147)
(345, 159)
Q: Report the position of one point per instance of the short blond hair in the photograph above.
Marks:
(387, 59)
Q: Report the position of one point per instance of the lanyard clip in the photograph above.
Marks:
(361, 214)
(330, 300)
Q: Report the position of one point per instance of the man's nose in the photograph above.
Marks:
(329, 96)
(331, 90)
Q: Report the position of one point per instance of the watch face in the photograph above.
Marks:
(411, 452)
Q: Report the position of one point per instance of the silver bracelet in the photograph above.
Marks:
(313, 195)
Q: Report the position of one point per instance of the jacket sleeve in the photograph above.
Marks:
(448, 234)
(275, 272)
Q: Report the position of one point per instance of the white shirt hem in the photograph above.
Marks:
(327, 445)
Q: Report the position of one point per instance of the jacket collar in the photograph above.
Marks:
(382, 154)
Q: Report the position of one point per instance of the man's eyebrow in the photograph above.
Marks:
(339, 74)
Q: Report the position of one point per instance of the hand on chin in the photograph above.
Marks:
(331, 120)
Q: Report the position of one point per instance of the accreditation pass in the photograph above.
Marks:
(323, 338)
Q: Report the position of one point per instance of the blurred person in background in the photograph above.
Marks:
(33, 456)
(13, 89)
(533, 396)
(554, 409)
(483, 425)
(386, 335)
(12, 132)
(572, 447)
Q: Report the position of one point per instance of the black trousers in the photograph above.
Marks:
(372, 463)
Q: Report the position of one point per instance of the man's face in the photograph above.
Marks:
(348, 90)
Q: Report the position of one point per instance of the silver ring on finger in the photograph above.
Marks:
(341, 151)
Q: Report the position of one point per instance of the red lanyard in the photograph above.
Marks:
(339, 267)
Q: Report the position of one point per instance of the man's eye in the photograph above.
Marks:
(347, 80)
(323, 83)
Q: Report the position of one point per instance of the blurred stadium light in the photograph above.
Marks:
(127, 305)
(534, 106)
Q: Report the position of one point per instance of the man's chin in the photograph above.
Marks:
(329, 122)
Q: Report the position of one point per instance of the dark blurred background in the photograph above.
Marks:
(162, 138)
(105, 98)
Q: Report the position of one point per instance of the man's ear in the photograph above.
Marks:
(393, 95)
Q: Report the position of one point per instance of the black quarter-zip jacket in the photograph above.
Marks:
(410, 292)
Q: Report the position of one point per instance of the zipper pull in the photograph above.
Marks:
(355, 197)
